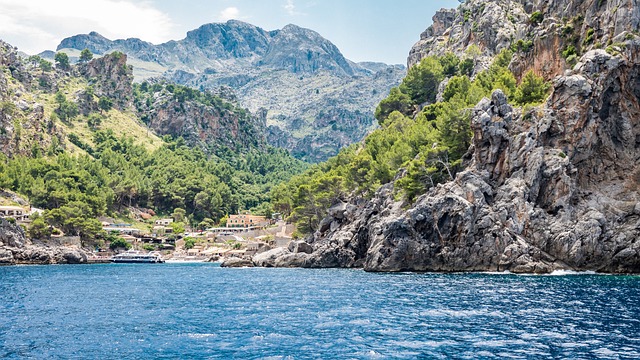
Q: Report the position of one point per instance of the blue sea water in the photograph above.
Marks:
(202, 311)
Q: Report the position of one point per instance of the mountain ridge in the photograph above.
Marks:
(289, 72)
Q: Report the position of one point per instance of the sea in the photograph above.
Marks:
(203, 311)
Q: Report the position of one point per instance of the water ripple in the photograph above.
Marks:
(201, 311)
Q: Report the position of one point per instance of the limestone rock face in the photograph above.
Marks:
(11, 235)
(268, 258)
(115, 78)
(23, 122)
(16, 248)
(555, 187)
(493, 25)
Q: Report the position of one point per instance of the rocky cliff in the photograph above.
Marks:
(291, 72)
(552, 187)
(23, 121)
(207, 122)
(16, 248)
(548, 36)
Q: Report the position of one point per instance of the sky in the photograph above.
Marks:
(363, 30)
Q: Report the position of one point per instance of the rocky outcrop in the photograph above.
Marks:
(317, 101)
(489, 25)
(111, 77)
(211, 126)
(280, 257)
(234, 262)
(23, 123)
(555, 187)
(16, 248)
(540, 41)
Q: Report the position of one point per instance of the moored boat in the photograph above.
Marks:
(137, 257)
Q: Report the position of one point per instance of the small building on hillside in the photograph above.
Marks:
(247, 221)
(164, 222)
(16, 212)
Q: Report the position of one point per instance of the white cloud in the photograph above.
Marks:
(36, 25)
(229, 14)
(290, 8)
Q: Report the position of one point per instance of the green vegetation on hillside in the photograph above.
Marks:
(77, 189)
(113, 163)
(428, 144)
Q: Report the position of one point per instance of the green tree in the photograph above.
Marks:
(62, 61)
(532, 90)
(396, 101)
(178, 215)
(105, 104)
(189, 243)
(458, 85)
(178, 227)
(85, 56)
(118, 243)
(66, 110)
(466, 67)
(422, 80)
(45, 66)
(449, 64)
(39, 229)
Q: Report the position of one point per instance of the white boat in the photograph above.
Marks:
(138, 257)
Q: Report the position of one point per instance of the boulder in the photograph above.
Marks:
(234, 262)
(300, 246)
(74, 256)
(268, 258)
(6, 257)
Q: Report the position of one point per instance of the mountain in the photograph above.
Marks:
(511, 145)
(316, 101)
(83, 141)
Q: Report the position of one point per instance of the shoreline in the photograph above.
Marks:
(555, 273)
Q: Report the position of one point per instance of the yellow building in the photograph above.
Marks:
(247, 221)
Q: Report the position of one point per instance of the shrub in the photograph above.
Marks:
(148, 247)
(536, 18)
(532, 90)
(569, 50)
(189, 243)
(119, 242)
(589, 38)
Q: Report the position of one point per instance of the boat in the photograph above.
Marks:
(138, 257)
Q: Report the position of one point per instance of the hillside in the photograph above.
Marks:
(511, 145)
(315, 100)
(82, 141)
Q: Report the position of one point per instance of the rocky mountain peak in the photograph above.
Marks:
(233, 39)
(302, 50)
(93, 41)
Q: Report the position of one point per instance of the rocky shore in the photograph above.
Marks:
(16, 248)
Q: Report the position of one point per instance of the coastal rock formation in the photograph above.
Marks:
(315, 101)
(16, 248)
(544, 188)
(234, 262)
